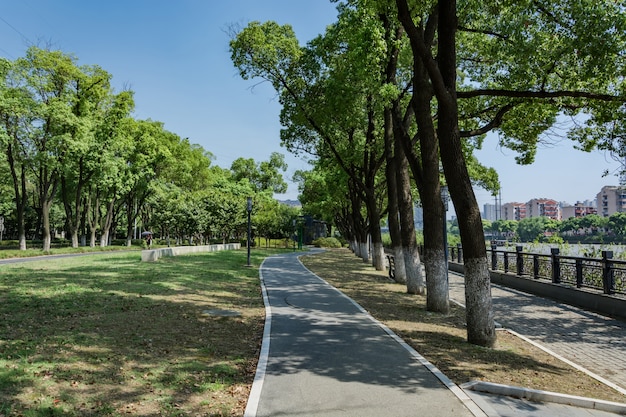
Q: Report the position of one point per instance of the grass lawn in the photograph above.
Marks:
(108, 335)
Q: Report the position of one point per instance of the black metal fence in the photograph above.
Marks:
(601, 274)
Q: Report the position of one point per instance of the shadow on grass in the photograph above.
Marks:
(91, 336)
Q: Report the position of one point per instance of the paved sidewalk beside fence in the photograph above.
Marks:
(594, 343)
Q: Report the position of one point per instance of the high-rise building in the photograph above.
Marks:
(543, 207)
(513, 211)
(579, 209)
(611, 199)
(490, 212)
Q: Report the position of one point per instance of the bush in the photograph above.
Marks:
(327, 242)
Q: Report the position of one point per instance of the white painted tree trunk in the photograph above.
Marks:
(414, 275)
(378, 256)
(401, 275)
(364, 251)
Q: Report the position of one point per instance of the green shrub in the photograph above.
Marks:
(327, 242)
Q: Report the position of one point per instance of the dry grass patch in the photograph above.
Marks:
(442, 338)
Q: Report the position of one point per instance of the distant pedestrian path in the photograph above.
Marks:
(594, 342)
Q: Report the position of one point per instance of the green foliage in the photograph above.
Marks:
(532, 229)
(72, 152)
(327, 242)
(617, 223)
(264, 176)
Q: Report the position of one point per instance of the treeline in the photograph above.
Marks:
(587, 229)
(74, 160)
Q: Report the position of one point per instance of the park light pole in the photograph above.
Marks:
(300, 231)
(249, 210)
(445, 197)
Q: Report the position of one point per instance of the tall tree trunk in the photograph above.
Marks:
(18, 174)
(442, 74)
(479, 312)
(434, 214)
(412, 264)
(107, 223)
(378, 252)
(21, 201)
(392, 196)
(45, 223)
(392, 35)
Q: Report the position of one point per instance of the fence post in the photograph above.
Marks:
(494, 257)
(608, 277)
(520, 260)
(536, 266)
(459, 252)
(556, 265)
(579, 273)
(506, 261)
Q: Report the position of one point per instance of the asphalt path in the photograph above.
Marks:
(328, 357)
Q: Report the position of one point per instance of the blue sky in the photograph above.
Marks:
(174, 56)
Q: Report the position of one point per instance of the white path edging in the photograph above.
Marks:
(545, 396)
(152, 255)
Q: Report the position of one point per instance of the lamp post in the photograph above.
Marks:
(445, 197)
(249, 210)
(295, 234)
(300, 231)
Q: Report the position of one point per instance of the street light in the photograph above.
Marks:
(300, 231)
(249, 210)
(445, 197)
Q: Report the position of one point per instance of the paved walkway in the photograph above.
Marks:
(591, 341)
(328, 357)
(323, 355)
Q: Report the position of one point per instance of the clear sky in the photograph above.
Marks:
(174, 56)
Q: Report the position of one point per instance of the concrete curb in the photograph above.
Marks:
(545, 396)
(153, 255)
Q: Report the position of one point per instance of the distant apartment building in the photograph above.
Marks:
(543, 207)
(490, 212)
(580, 209)
(611, 199)
(513, 211)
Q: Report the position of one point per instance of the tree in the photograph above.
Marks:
(593, 222)
(150, 153)
(104, 192)
(504, 228)
(225, 203)
(84, 151)
(442, 75)
(272, 219)
(45, 126)
(321, 196)
(508, 86)
(16, 107)
(532, 229)
(262, 176)
(617, 223)
(338, 126)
